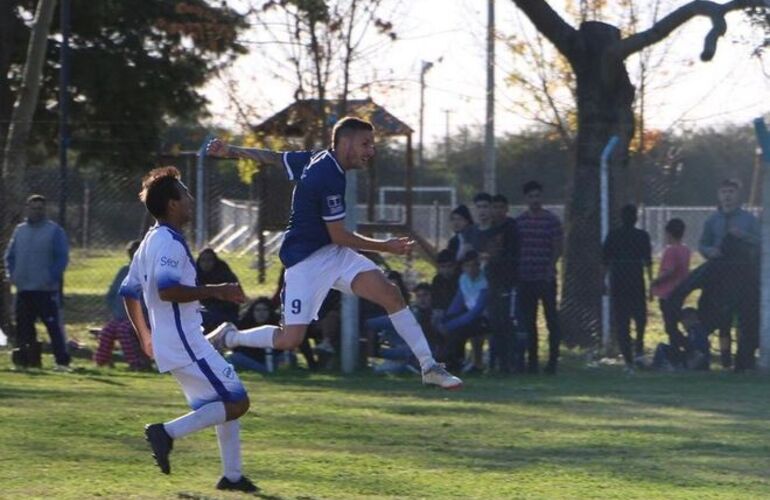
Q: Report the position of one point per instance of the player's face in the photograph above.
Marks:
(183, 207)
(728, 197)
(360, 149)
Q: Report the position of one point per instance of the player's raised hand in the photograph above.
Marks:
(218, 148)
(230, 292)
(399, 246)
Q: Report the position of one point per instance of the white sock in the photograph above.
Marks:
(205, 416)
(407, 327)
(261, 336)
(229, 438)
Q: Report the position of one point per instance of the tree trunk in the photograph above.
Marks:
(13, 165)
(605, 98)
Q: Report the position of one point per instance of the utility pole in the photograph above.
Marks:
(446, 137)
(64, 82)
(426, 65)
(490, 181)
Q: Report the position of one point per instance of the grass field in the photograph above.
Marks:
(582, 434)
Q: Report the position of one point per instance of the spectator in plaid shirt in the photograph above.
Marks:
(540, 240)
(119, 328)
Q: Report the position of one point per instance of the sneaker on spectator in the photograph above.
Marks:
(244, 484)
(218, 336)
(437, 375)
(62, 368)
(325, 347)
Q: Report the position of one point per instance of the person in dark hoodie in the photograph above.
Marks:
(211, 270)
(465, 230)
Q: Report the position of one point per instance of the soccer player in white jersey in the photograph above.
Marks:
(163, 273)
(317, 249)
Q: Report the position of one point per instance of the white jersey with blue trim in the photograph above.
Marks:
(162, 261)
(318, 198)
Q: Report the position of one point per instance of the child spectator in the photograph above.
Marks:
(695, 355)
(674, 267)
(444, 285)
(119, 327)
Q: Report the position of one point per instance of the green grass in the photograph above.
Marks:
(581, 434)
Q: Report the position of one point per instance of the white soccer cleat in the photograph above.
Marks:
(437, 375)
(218, 336)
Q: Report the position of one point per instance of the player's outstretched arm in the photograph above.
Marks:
(342, 237)
(221, 149)
(137, 319)
(230, 292)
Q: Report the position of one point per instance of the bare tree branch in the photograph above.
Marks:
(680, 16)
(550, 24)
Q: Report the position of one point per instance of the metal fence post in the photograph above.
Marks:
(763, 137)
(604, 173)
(349, 334)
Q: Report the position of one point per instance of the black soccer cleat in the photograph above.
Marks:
(244, 484)
(161, 444)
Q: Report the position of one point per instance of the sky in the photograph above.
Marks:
(685, 93)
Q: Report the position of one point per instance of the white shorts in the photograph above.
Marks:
(209, 379)
(308, 282)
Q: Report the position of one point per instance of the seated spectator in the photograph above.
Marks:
(260, 312)
(119, 327)
(397, 355)
(465, 235)
(444, 285)
(465, 318)
(213, 270)
(326, 329)
(696, 354)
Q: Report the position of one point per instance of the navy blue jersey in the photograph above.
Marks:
(318, 198)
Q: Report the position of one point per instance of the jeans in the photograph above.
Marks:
(43, 305)
(530, 293)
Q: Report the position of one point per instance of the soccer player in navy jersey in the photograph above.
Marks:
(318, 251)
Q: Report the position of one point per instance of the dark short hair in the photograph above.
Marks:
(444, 256)
(731, 182)
(531, 186)
(348, 126)
(463, 212)
(423, 286)
(499, 198)
(132, 246)
(675, 227)
(628, 215)
(470, 255)
(482, 197)
(160, 186)
(35, 197)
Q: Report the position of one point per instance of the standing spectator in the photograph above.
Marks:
(485, 245)
(540, 236)
(465, 232)
(36, 258)
(501, 244)
(444, 285)
(212, 270)
(119, 327)
(625, 255)
(674, 267)
(732, 234)
(465, 317)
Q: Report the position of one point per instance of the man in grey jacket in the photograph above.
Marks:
(36, 258)
(731, 235)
